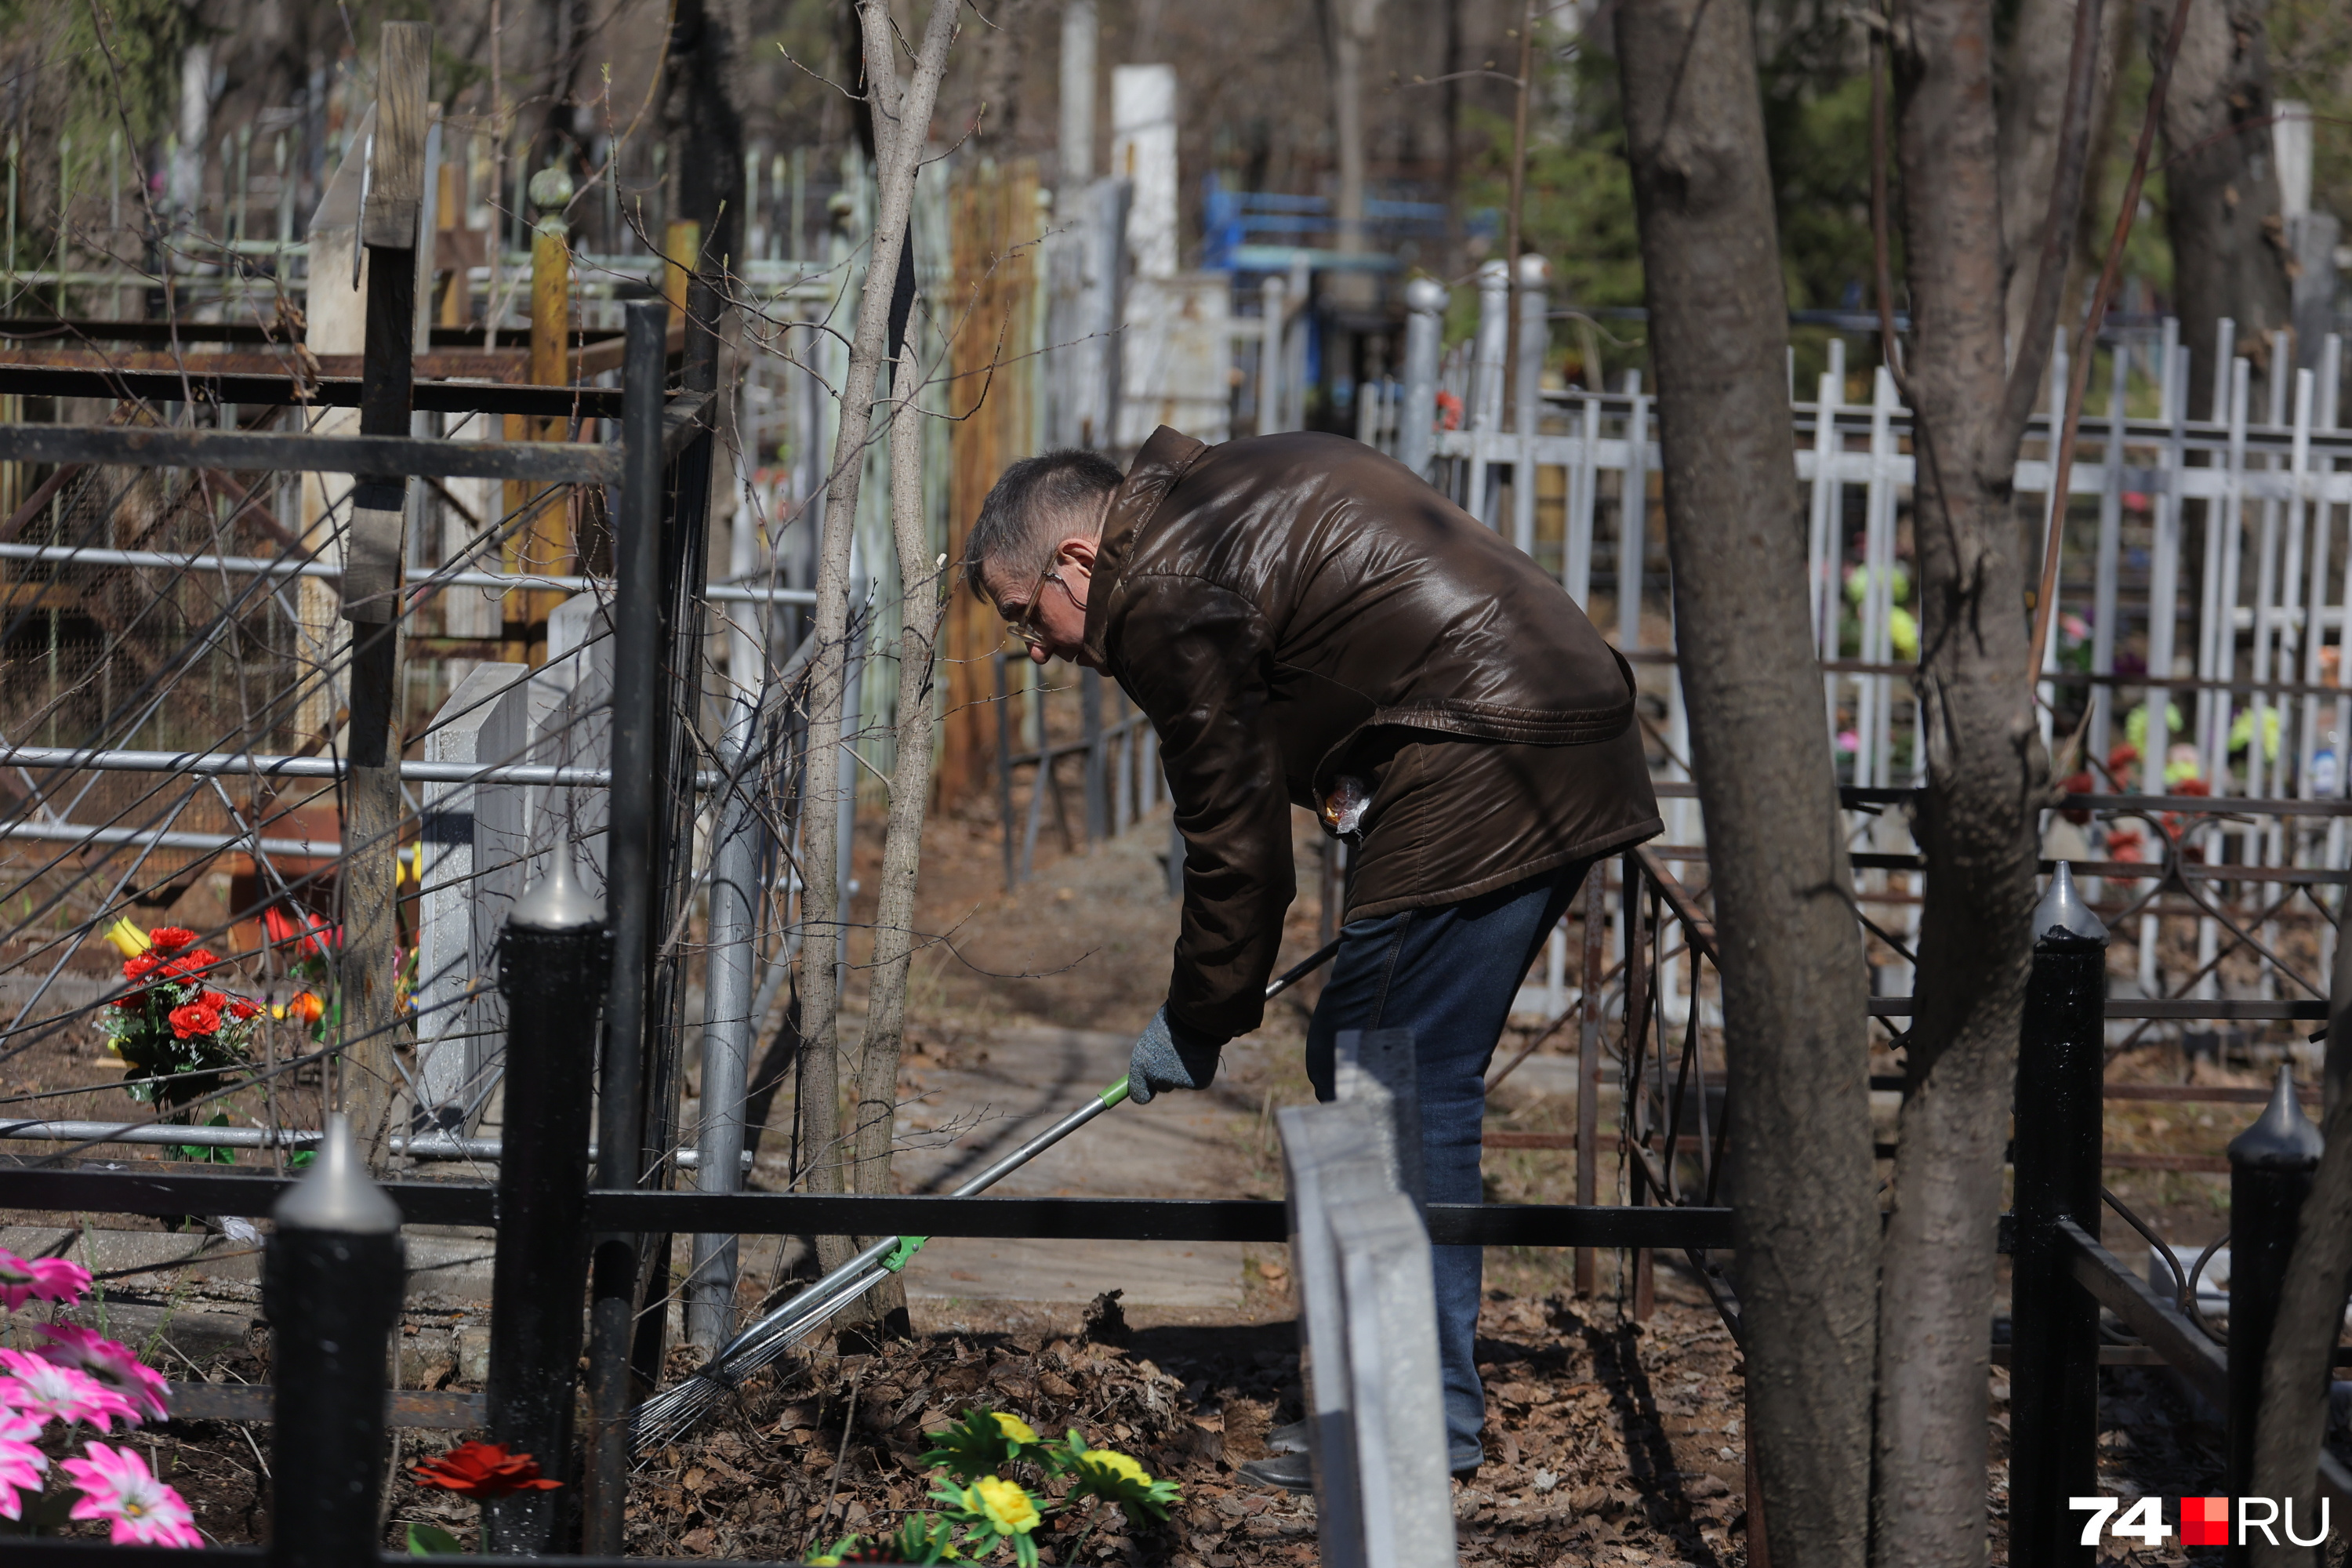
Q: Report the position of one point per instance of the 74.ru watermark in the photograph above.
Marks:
(2204, 1521)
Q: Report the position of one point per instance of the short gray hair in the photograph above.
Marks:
(1031, 500)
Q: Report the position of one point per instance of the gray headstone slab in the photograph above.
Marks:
(1330, 1153)
(474, 850)
(1379, 1065)
(1396, 1394)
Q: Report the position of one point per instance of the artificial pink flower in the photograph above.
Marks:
(21, 1463)
(44, 1388)
(59, 1280)
(111, 1362)
(115, 1484)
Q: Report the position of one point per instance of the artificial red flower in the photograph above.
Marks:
(323, 941)
(171, 939)
(139, 968)
(313, 938)
(2078, 783)
(484, 1471)
(195, 1018)
(242, 1009)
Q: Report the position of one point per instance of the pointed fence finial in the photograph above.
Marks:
(338, 1193)
(2282, 1134)
(557, 902)
(2063, 911)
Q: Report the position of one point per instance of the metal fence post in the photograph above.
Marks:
(1588, 1065)
(1090, 729)
(636, 703)
(553, 957)
(1274, 314)
(1424, 335)
(2053, 1375)
(1004, 767)
(1535, 345)
(2270, 1165)
(331, 1285)
(726, 1043)
(1486, 411)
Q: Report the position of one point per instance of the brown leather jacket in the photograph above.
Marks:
(1290, 609)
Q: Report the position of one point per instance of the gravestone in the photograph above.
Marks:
(474, 849)
(1368, 1327)
(1379, 1068)
(571, 720)
(1396, 1401)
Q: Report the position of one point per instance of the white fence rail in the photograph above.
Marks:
(2203, 600)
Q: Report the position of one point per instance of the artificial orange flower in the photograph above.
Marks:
(303, 1005)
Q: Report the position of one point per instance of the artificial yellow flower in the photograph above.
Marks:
(1013, 1426)
(1117, 1464)
(408, 867)
(127, 939)
(1007, 1506)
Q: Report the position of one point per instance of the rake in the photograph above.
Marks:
(673, 1412)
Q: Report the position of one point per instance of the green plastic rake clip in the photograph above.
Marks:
(1114, 1095)
(903, 1252)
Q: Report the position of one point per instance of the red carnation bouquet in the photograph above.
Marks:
(178, 1033)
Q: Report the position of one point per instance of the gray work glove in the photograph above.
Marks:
(1169, 1056)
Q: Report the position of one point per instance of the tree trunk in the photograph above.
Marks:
(2032, 109)
(1009, 40)
(910, 787)
(902, 121)
(1793, 980)
(1986, 777)
(1354, 25)
(2222, 207)
(706, 42)
(2295, 1375)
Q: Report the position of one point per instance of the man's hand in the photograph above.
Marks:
(1164, 1061)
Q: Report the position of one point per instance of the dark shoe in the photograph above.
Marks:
(1289, 1472)
(1467, 1473)
(1290, 1439)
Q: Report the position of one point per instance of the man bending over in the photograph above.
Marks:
(1304, 621)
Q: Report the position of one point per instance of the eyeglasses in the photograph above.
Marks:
(1024, 625)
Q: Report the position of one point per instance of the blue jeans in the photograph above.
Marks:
(1448, 973)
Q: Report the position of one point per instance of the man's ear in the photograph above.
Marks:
(1079, 550)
